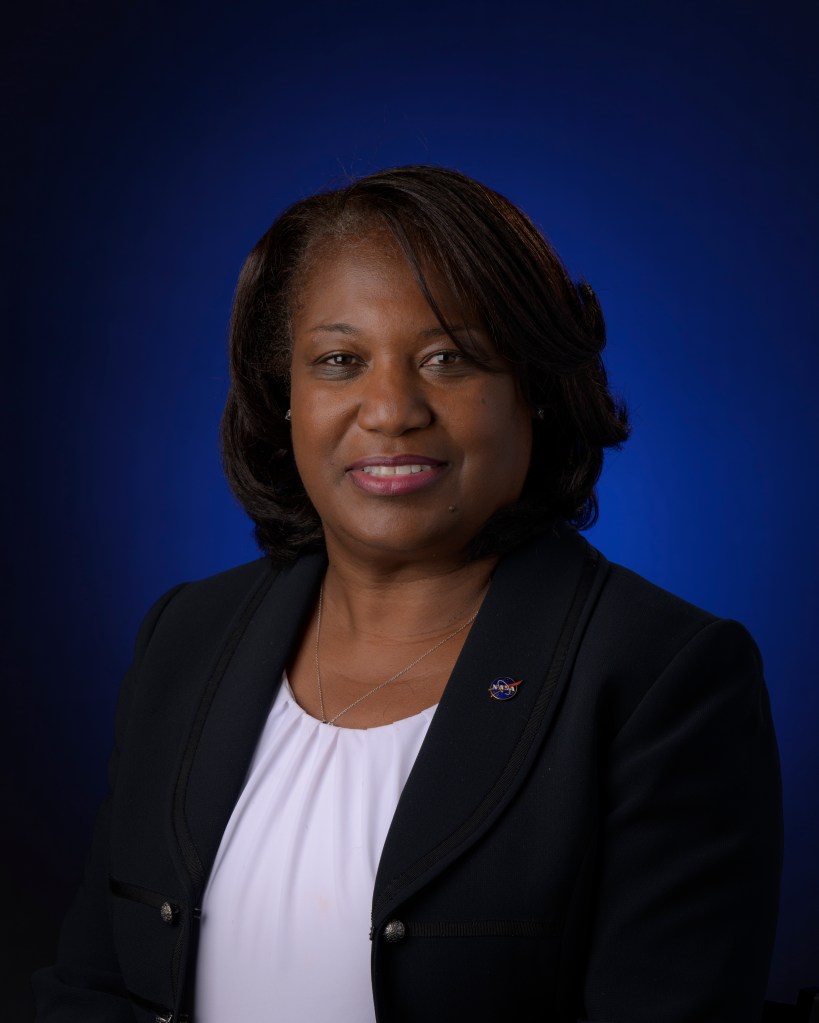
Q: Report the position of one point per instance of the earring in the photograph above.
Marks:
(287, 415)
(540, 412)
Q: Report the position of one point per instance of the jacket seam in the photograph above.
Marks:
(136, 893)
(479, 928)
(683, 650)
(161, 609)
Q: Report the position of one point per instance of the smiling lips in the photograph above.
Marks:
(392, 476)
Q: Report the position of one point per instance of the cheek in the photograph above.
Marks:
(318, 439)
(502, 434)
(309, 454)
(315, 428)
(516, 450)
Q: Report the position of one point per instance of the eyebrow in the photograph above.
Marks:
(335, 328)
(455, 328)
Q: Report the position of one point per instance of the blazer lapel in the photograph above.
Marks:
(477, 748)
(234, 709)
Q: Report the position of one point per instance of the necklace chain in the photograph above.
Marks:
(331, 721)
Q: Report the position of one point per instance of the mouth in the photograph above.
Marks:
(395, 470)
(394, 475)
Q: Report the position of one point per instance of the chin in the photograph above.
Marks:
(392, 544)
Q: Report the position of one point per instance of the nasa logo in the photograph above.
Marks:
(504, 688)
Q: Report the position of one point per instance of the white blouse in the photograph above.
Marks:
(286, 911)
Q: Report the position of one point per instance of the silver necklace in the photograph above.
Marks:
(331, 721)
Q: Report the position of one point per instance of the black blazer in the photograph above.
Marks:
(604, 846)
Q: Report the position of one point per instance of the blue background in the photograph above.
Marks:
(669, 152)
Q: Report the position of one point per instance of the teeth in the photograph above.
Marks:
(394, 470)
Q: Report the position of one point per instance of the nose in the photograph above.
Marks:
(393, 400)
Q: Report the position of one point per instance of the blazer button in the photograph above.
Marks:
(168, 913)
(394, 931)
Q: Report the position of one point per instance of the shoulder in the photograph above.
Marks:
(198, 611)
(642, 639)
(225, 590)
(632, 613)
(213, 614)
(623, 620)
(631, 607)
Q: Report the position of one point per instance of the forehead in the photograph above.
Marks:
(365, 274)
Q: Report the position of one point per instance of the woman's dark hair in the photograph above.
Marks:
(498, 265)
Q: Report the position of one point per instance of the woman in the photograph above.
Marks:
(432, 757)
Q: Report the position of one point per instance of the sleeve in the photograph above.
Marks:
(691, 848)
(84, 986)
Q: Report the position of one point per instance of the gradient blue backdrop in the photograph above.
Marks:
(669, 152)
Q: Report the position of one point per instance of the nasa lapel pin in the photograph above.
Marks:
(504, 688)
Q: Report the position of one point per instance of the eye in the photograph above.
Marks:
(448, 357)
(337, 365)
(338, 359)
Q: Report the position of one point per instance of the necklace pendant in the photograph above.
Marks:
(504, 688)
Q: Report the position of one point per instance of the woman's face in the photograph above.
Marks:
(405, 446)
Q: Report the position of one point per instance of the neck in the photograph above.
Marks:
(410, 600)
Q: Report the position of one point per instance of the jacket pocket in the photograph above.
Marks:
(168, 910)
(150, 1011)
(479, 929)
(150, 936)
